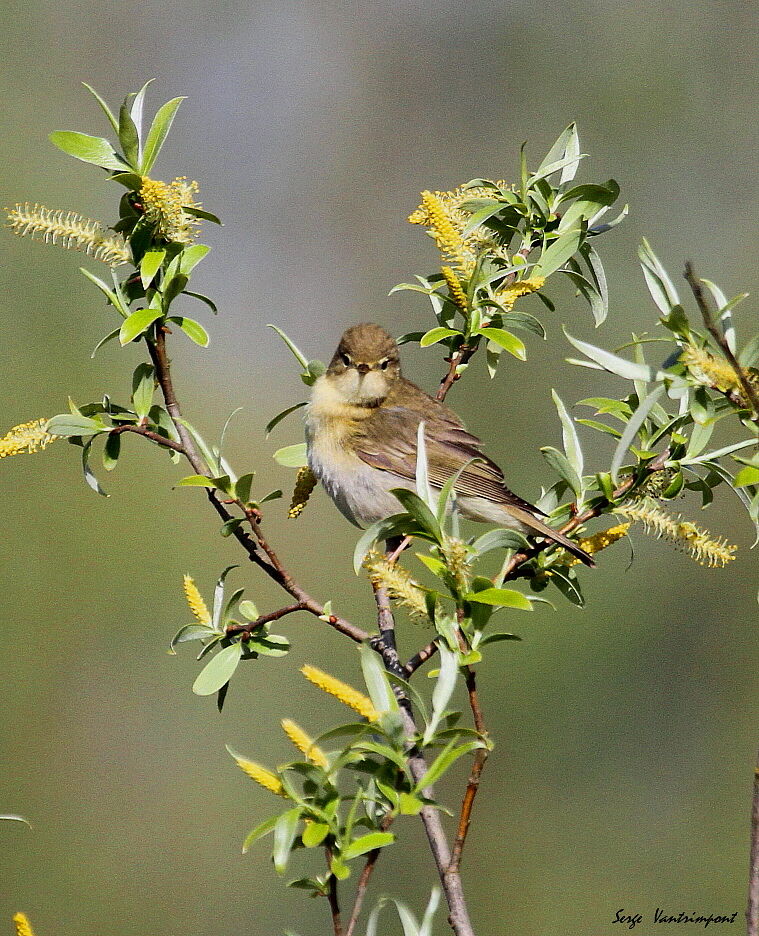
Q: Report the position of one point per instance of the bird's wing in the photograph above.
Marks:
(388, 440)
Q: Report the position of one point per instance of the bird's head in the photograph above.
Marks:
(365, 365)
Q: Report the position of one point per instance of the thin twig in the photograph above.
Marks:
(752, 910)
(257, 548)
(148, 434)
(456, 360)
(420, 658)
(511, 569)
(473, 784)
(698, 294)
(264, 619)
(334, 905)
(363, 881)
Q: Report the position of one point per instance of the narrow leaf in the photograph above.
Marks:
(218, 671)
(157, 134)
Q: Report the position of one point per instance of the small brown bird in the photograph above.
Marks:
(361, 432)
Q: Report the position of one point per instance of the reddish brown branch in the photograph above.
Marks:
(363, 881)
(334, 906)
(148, 434)
(265, 619)
(473, 784)
(257, 548)
(751, 395)
(420, 658)
(752, 910)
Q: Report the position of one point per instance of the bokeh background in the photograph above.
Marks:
(626, 732)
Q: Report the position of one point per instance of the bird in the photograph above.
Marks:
(361, 439)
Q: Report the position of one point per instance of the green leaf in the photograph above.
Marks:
(560, 464)
(612, 363)
(89, 149)
(111, 451)
(367, 843)
(434, 335)
(314, 834)
(414, 505)
(292, 456)
(285, 829)
(600, 427)
(109, 337)
(258, 832)
(339, 868)
(128, 137)
(558, 252)
(571, 441)
(195, 295)
(274, 645)
(280, 416)
(218, 671)
(112, 296)
(448, 756)
(106, 109)
(242, 487)
(187, 633)
(89, 475)
(201, 213)
(659, 284)
(631, 430)
(377, 682)
(444, 686)
(229, 526)
(497, 637)
(500, 597)
(297, 353)
(194, 330)
(191, 257)
(568, 585)
(499, 539)
(68, 424)
(505, 340)
(197, 481)
(746, 476)
(158, 132)
(143, 387)
(150, 265)
(137, 323)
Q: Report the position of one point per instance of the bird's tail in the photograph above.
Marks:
(534, 523)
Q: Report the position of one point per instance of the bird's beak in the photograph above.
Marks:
(362, 368)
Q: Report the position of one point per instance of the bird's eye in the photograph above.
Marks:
(345, 359)
(384, 364)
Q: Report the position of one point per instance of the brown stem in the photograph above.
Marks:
(269, 562)
(511, 569)
(752, 910)
(264, 619)
(334, 906)
(418, 659)
(698, 294)
(153, 436)
(456, 359)
(363, 881)
(473, 784)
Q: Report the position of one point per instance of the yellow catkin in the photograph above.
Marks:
(398, 582)
(716, 372)
(509, 294)
(342, 691)
(163, 204)
(23, 926)
(447, 237)
(70, 230)
(702, 546)
(454, 288)
(263, 777)
(457, 556)
(305, 482)
(304, 744)
(195, 601)
(601, 540)
(27, 438)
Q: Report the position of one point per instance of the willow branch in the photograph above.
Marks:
(363, 881)
(334, 906)
(511, 569)
(420, 658)
(697, 289)
(752, 910)
(264, 619)
(257, 548)
(473, 784)
(148, 434)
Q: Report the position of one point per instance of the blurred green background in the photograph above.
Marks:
(625, 733)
